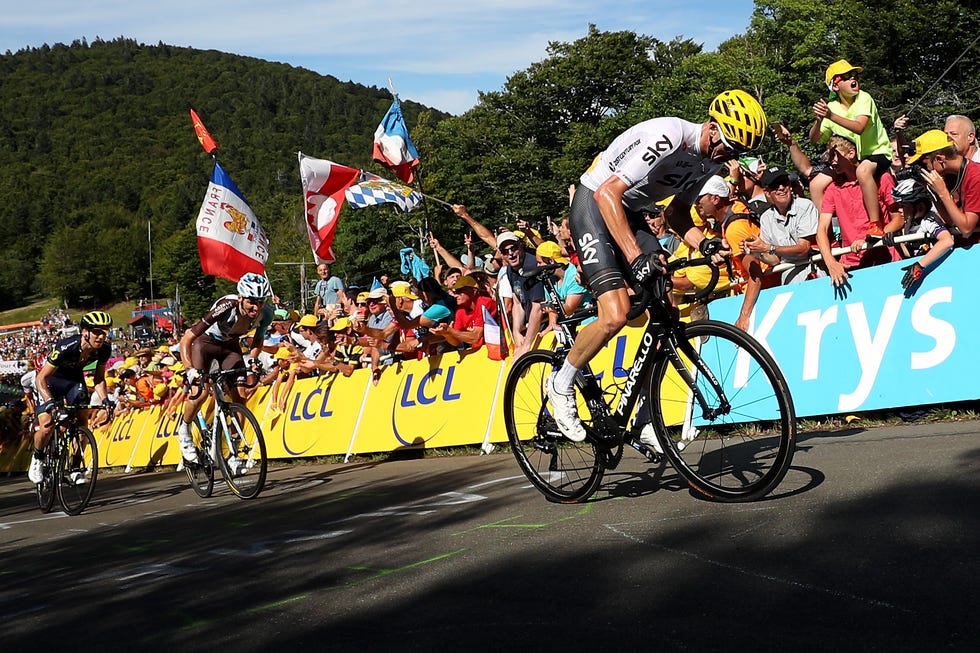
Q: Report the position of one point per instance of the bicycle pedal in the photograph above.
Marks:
(648, 452)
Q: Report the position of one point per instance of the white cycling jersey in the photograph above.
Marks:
(655, 158)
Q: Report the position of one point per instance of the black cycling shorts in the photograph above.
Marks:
(206, 350)
(599, 257)
(71, 391)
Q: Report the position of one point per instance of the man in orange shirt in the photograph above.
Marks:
(737, 224)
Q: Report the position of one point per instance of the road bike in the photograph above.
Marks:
(232, 441)
(720, 408)
(70, 465)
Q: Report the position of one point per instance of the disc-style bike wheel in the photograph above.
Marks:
(241, 451)
(47, 488)
(201, 473)
(562, 470)
(730, 427)
(78, 469)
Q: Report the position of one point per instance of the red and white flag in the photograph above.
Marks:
(230, 239)
(324, 184)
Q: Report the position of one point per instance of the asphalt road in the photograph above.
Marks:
(871, 544)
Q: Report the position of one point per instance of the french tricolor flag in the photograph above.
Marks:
(393, 147)
(230, 239)
(493, 337)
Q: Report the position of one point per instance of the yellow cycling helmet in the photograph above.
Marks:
(740, 118)
(96, 319)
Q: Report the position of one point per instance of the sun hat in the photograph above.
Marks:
(929, 142)
(507, 237)
(403, 291)
(464, 281)
(772, 175)
(839, 68)
(715, 186)
(551, 249)
(309, 321)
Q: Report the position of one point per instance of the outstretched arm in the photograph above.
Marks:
(481, 231)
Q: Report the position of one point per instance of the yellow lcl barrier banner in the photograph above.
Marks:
(444, 401)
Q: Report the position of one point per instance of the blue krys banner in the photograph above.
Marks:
(872, 345)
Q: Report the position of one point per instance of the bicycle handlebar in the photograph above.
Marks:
(658, 289)
(217, 375)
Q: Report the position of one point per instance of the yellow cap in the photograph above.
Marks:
(340, 324)
(931, 141)
(551, 249)
(839, 68)
(281, 353)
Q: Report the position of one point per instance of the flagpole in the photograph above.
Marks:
(149, 246)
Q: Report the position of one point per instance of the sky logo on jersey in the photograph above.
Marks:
(657, 149)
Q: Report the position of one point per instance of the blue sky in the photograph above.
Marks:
(437, 52)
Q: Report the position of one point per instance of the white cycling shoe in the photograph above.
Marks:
(565, 412)
(649, 438)
(237, 466)
(35, 474)
(187, 448)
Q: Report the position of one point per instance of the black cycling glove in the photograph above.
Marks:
(647, 267)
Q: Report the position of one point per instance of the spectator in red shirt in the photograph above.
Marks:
(466, 331)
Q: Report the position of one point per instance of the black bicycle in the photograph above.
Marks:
(720, 408)
(70, 465)
(232, 440)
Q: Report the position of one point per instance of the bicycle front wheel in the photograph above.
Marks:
(723, 413)
(562, 470)
(78, 469)
(241, 451)
(201, 473)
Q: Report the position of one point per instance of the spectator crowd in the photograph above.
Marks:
(782, 225)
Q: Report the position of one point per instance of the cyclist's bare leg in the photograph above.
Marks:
(614, 307)
(191, 406)
(42, 434)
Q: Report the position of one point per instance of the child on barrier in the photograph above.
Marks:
(853, 114)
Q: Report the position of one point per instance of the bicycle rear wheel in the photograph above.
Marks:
(201, 473)
(241, 452)
(47, 488)
(734, 451)
(78, 469)
(562, 470)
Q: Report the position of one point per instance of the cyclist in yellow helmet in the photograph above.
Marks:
(61, 380)
(648, 162)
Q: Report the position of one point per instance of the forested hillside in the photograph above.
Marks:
(96, 142)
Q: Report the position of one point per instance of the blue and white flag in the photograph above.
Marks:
(382, 191)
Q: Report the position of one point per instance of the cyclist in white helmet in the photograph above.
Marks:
(216, 339)
(647, 163)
